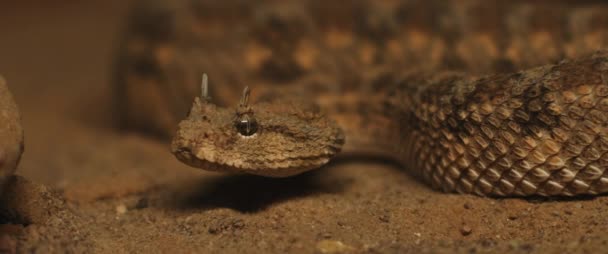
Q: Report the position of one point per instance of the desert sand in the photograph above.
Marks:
(84, 187)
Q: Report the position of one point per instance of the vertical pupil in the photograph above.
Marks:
(246, 126)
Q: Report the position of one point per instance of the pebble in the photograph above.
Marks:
(226, 225)
(466, 230)
(142, 203)
(121, 209)
(332, 246)
(384, 218)
(468, 205)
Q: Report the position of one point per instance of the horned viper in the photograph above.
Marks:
(378, 77)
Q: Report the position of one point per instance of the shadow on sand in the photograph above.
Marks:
(248, 193)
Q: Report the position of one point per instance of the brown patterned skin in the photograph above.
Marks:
(534, 132)
(538, 132)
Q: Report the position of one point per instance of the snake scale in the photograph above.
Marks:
(471, 96)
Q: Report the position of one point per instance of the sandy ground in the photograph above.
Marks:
(85, 187)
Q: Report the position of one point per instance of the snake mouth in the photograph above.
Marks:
(185, 155)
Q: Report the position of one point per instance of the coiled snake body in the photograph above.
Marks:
(373, 79)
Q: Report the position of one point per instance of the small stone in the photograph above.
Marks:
(514, 244)
(568, 212)
(468, 205)
(512, 217)
(526, 247)
(121, 209)
(332, 246)
(488, 242)
(226, 225)
(238, 224)
(142, 203)
(384, 218)
(213, 230)
(466, 230)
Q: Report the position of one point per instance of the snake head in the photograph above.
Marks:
(275, 139)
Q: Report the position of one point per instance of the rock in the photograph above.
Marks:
(331, 246)
(468, 205)
(11, 134)
(142, 203)
(465, 230)
(121, 209)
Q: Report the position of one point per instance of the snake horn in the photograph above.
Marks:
(205, 88)
(245, 97)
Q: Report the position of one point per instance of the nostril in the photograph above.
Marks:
(183, 153)
(184, 150)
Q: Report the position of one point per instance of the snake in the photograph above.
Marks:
(491, 98)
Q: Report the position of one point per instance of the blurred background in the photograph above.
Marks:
(56, 54)
(56, 57)
(127, 192)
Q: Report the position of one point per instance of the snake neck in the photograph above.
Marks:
(378, 117)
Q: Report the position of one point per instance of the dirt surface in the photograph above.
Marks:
(85, 187)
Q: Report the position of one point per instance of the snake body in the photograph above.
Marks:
(371, 78)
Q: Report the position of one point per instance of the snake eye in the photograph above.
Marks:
(246, 125)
